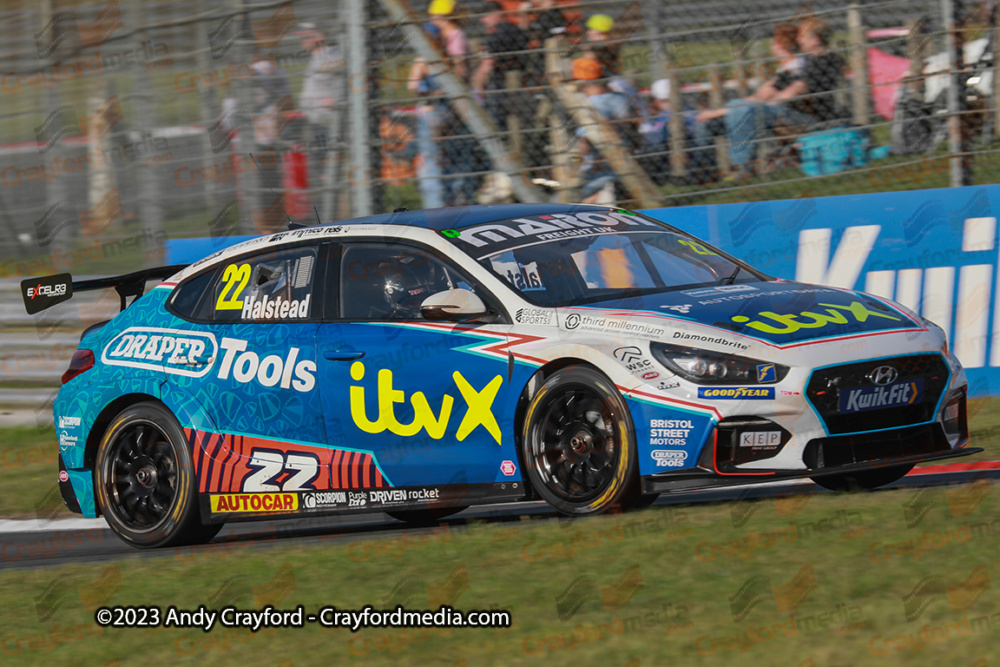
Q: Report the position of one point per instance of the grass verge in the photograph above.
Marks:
(870, 578)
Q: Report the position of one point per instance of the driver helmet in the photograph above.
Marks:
(410, 280)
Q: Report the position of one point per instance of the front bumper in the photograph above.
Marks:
(882, 453)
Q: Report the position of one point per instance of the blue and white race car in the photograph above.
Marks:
(424, 361)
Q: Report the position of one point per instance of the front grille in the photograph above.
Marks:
(729, 453)
(873, 447)
(824, 386)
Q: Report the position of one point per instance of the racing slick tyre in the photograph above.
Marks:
(145, 481)
(579, 444)
(426, 517)
(864, 480)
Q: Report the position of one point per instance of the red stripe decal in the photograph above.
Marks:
(345, 477)
(956, 467)
(368, 472)
(335, 470)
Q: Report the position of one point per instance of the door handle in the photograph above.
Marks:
(342, 355)
(196, 361)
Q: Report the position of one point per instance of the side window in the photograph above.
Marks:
(272, 286)
(188, 298)
(381, 281)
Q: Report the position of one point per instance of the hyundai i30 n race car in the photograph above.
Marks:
(424, 361)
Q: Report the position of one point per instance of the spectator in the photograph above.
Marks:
(323, 85)
(611, 105)
(502, 38)
(443, 150)
(796, 98)
(655, 154)
(598, 178)
(550, 20)
(599, 27)
(271, 98)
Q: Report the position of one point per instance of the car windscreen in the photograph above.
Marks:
(570, 259)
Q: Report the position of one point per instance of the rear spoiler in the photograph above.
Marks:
(47, 291)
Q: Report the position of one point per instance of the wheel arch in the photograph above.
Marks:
(527, 392)
(104, 419)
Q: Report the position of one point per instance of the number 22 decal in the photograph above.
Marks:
(269, 464)
(235, 275)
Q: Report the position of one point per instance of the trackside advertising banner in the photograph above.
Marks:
(935, 251)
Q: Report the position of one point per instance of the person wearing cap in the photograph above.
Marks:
(456, 46)
(599, 27)
(323, 85)
(441, 153)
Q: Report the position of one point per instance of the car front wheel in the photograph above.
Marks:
(145, 481)
(578, 444)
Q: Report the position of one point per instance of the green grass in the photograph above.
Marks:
(28, 468)
(658, 582)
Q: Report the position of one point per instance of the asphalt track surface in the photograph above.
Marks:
(46, 548)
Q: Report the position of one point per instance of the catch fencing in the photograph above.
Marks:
(126, 124)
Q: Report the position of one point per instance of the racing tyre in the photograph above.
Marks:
(426, 517)
(579, 444)
(864, 480)
(145, 481)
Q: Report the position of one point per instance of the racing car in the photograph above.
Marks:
(420, 362)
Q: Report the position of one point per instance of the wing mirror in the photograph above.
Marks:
(454, 305)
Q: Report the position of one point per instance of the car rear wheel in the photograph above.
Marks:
(579, 444)
(145, 481)
(863, 480)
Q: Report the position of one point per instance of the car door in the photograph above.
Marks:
(260, 392)
(427, 400)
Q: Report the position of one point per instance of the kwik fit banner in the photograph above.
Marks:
(935, 251)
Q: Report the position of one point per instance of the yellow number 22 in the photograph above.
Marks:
(237, 275)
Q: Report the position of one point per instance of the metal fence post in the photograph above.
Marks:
(251, 180)
(359, 174)
(951, 11)
(859, 65)
(150, 212)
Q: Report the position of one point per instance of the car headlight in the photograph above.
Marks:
(704, 367)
